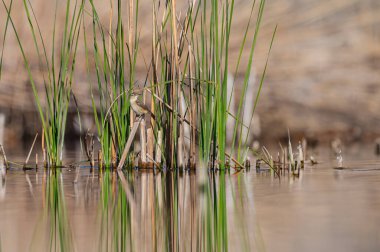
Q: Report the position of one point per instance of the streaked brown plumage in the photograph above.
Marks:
(138, 107)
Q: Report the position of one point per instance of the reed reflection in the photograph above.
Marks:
(53, 231)
(170, 211)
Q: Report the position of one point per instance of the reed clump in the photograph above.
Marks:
(60, 70)
(287, 160)
(184, 85)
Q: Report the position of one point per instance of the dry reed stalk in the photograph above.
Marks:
(46, 163)
(152, 107)
(143, 136)
(86, 150)
(285, 157)
(92, 161)
(180, 144)
(113, 155)
(192, 113)
(175, 79)
(143, 142)
(159, 147)
(100, 159)
(2, 123)
(154, 65)
(304, 148)
(43, 148)
(36, 161)
(2, 152)
(128, 144)
(30, 151)
(130, 22)
(248, 164)
(234, 160)
(150, 146)
(169, 136)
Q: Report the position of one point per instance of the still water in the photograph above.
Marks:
(83, 209)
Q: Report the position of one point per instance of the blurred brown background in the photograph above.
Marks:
(323, 76)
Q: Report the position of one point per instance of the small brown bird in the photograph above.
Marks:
(138, 107)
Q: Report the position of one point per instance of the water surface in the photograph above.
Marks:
(83, 209)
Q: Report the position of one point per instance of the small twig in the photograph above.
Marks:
(267, 159)
(234, 160)
(30, 151)
(16, 164)
(152, 159)
(89, 139)
(143, 142)
(2, 151)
